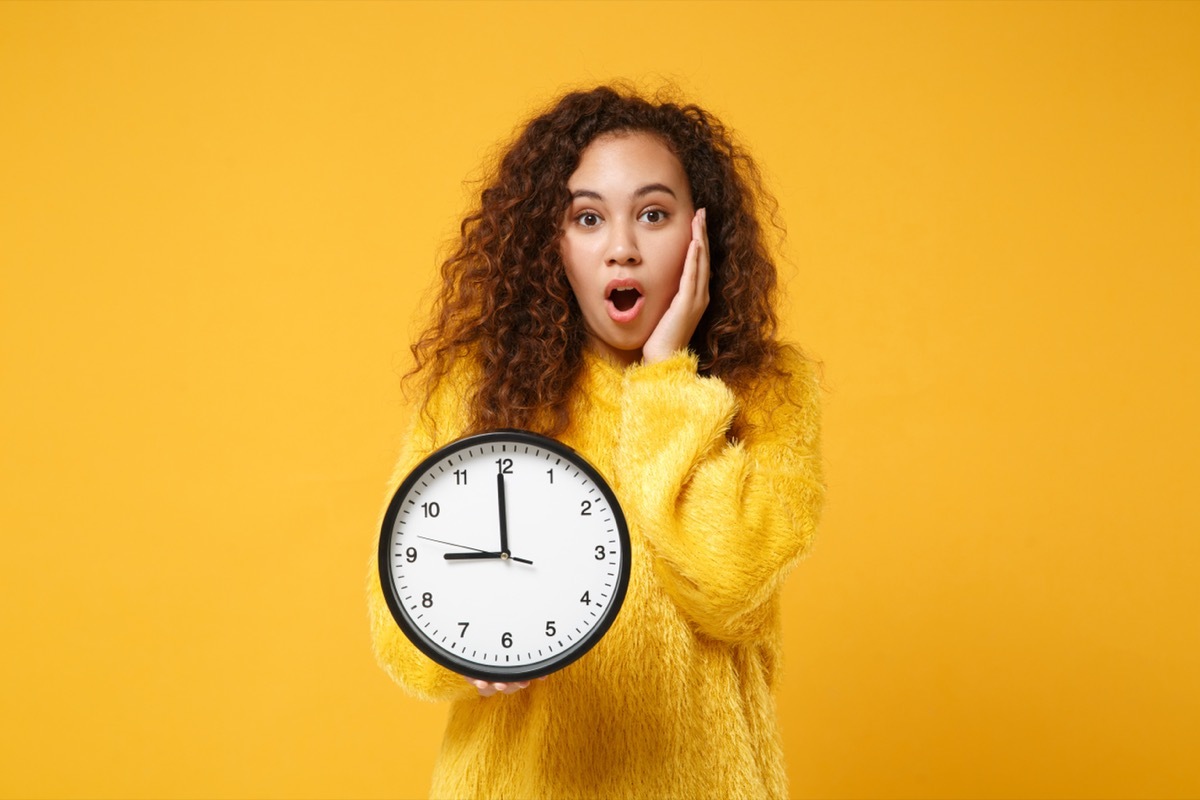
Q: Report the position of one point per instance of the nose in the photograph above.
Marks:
(622, 247)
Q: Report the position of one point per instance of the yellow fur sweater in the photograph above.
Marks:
(675, 701)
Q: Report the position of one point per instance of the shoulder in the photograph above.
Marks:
(791, 375)
(787, 393)
(441, 402)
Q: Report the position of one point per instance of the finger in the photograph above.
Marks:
(686, 293)
(702, 260)
(687, 280)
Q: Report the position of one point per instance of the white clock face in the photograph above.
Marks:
(504, 556)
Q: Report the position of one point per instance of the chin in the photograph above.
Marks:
(632, 345)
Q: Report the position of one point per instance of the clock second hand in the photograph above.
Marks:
(478, 554)
(452, 544)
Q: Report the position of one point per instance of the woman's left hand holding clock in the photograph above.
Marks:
(488, 689)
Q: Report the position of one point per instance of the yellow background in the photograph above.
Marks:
(217, 222)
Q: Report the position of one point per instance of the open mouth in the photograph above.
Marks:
(624, 297)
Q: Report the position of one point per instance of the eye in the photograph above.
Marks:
(654, 216)
(588, 219)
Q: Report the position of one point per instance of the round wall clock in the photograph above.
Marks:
(504, 556)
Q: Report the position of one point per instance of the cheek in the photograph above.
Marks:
(569, 255)
(577, 252)
(674, 254)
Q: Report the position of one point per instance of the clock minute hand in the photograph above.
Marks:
(503, 513)
(504, 522)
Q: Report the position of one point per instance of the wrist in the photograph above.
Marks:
(680, 355)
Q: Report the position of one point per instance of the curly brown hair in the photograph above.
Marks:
(505, 303)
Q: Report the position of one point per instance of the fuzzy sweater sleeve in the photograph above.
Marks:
(407, 665)
(726, 519)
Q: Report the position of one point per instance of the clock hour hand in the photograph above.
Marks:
(483, 555)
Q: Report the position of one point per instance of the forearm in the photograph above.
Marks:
(726, 520)
(407, 665)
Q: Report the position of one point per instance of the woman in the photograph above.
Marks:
(613, 289)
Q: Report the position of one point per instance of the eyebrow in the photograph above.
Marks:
(649, 188)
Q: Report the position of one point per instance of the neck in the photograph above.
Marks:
(620, 358)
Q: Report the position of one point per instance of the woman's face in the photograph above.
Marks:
(625, 236)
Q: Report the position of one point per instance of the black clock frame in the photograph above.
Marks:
(471, 669)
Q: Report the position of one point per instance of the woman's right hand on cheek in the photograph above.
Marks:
(677, 325)
(487, 689)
